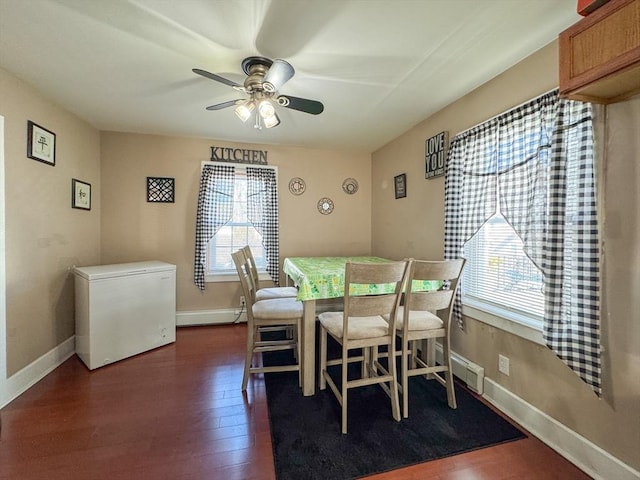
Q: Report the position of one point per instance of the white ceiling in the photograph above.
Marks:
(379, 66)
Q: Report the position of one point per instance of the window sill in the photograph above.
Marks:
(520, 329)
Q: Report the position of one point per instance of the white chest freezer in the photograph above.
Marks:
(123, 309)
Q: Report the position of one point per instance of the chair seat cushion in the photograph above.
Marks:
(277, 308)
(359, 327)
(419, 320)
(276, 292)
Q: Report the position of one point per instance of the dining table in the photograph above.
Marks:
(320, 278)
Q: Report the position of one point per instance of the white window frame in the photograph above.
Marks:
(211, 276)
(503, 317)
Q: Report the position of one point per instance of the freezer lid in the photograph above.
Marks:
(122, 269)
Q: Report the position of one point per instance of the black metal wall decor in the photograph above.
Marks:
(435, 154)
(161, 189)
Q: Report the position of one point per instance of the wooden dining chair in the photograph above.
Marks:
(417, 320)
(362, 325)
(274, 313)
(267, 292)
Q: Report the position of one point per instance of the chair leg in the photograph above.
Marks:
(414, 353)
(404, 371)
(366, 362)
(344, 389)
(322, 382)
(451, 393)
(251, 338)
(395, 404)
(298, 352)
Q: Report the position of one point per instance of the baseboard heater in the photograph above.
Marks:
(470, 373)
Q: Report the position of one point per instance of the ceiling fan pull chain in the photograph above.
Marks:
(257, 125)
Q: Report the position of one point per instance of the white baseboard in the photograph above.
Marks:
(209, 317)
(21, 381)
(219, 317)
(580, 451)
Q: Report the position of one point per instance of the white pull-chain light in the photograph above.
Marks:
(243, 111)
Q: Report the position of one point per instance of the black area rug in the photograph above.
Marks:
(307, 442)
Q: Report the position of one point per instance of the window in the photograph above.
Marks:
(499, 278)
(237, 205)
(235, 234)
(534, 166)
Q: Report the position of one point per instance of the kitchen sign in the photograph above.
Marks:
(238, 155)
(435, 154)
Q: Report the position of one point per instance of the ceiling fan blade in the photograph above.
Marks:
(217, 78)
(277, 75)
(220, 106)
(301, 104)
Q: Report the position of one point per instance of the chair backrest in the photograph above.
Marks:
(253, 267)
(447, 272)
(387, 280)
(244, 272)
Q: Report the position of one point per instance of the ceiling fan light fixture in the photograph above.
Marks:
(266, 109)
(271, 121)
(243, 111)
(268, 113)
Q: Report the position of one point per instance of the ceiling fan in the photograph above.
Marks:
(264, 78)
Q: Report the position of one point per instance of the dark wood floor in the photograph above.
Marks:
(177, 413)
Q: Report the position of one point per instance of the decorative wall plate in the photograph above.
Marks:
(350, 186)
(325, 206)
(297, 186)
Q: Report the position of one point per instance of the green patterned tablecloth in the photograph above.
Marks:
(323, 277)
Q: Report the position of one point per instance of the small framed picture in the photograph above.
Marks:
(80, 194)
(400, 184)
(161, 189)
(41, 144)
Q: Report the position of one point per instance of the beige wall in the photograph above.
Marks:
(133, 229)
(44, 235)
(536, 375)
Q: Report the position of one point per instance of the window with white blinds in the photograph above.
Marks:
(499, 278)
(235, 234)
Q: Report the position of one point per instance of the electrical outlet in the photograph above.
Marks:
(503, 364)
(242, 301)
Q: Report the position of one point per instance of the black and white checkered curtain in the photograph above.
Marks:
(215, 208)
(262, 212)
(537, 161)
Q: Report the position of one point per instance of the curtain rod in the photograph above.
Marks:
(505, 111)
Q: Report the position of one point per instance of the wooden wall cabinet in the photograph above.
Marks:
(600, 55)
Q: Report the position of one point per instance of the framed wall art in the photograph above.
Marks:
(161, 189)
(80, 194)
(435, 155)
(41, 144)
(400, 184)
